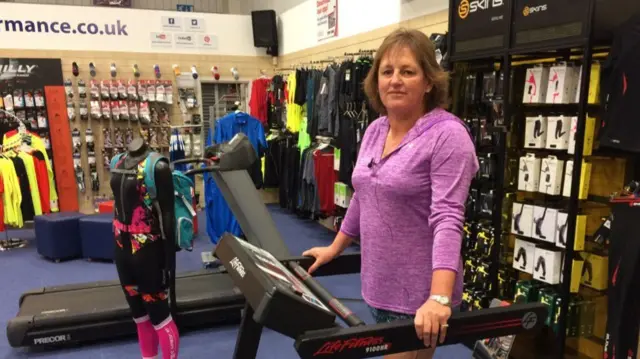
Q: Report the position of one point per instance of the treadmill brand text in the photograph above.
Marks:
(371, 345)
(238, 267)
(52, 339)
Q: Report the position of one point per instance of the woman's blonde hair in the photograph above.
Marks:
(424, 51)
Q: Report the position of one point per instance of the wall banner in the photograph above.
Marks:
(32, 90)
(327, 19)
(30, 73)
(88, 28)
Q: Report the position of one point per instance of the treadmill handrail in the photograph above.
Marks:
(192, 160)
(346, 263)
(346, 314)
(400, 336)
(202, 170)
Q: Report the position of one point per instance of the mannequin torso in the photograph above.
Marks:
(126, 186)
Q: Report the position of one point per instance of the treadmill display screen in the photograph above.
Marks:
(280, 274)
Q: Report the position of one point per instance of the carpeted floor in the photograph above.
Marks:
(22, 270)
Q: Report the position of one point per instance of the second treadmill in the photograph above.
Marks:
(93, 311)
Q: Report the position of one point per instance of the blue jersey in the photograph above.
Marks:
(219, 216)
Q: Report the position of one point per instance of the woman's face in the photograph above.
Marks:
(401, 82)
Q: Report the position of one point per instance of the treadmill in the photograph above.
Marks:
(281, 295)
(87, 312)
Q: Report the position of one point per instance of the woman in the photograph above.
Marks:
(411, 181)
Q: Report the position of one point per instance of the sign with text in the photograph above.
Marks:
(88, 28)
(185, 40)
(30, 73)
(479, 24)
(184, 8)
(195, 24)
(161, 39)
(171, 23)
(207, 41)
(537, 21)
(327, 19)
(114, 3)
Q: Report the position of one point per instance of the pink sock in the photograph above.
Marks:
(169, 338)
(147, 338)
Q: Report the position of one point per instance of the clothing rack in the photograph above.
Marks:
(12, 243)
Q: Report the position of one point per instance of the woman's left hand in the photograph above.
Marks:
(431, 319)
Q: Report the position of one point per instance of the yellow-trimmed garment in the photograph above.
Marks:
(33, 181)
(15, 141)
(12, 194)
(294, 111)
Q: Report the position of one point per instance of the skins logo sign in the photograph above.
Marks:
(530, 10)
(463, 9)
(467, 7)
(372, 345)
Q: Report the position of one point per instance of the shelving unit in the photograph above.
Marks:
(476, 53)
(513, 35)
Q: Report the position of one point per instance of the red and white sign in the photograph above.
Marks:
(327, 19)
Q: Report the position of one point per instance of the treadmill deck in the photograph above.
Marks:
(61, 309)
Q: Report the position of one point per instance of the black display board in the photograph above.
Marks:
(479, 25)
(548, 22)
(30, 73)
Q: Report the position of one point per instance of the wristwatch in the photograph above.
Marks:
(441, 299)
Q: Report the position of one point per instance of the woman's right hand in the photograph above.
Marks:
(323, 255)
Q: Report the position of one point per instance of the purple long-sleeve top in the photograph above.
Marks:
(408, 209)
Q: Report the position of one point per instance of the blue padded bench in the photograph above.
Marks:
(58, 235)
(96, 233)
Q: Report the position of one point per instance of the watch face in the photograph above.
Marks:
(441, 299)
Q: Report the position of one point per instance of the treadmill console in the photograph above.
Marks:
(279, 299)
(236, 154)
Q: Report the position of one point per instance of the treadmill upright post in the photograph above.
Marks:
(249, 335)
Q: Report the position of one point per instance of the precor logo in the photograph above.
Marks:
(52, 339)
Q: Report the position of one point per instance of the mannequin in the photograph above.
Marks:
(145, 249)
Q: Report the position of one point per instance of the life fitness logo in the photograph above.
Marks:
(530, 10)
(467, 7)
(370, 344)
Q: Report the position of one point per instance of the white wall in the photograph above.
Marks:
(142, 26)
(298, 25)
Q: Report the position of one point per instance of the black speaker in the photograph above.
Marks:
(265, 30)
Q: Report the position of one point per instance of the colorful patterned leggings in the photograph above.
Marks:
(142, 278)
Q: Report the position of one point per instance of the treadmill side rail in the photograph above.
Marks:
(389, 338)
(348, 263)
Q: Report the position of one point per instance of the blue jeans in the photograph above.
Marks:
(387, 316)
